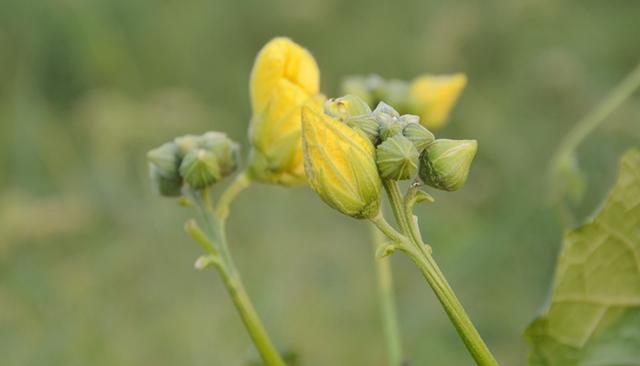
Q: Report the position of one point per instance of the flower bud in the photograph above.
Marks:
(340, 165)
(432, 97)
(165, 159)
(418, 135)
(445, 163)
(284, 77)
(345, 107)
(226, 151)
(367, 124)
(186, 144)
(397, 158)
(165, 186)
(200, 168)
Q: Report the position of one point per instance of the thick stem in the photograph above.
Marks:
(421, 255)
(389, 314)
(470, 336)
(232, 281)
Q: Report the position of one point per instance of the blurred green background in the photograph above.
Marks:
(95, 270)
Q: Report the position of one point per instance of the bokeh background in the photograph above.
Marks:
(95, 269)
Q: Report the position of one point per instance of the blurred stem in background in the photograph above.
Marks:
(214, 243)
(409, 241)
(566, 178)
(388, 311)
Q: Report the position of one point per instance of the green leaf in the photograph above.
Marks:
(594, 315)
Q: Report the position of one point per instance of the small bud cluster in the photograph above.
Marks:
(405, 148)
(196, 161)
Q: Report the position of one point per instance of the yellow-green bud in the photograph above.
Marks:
(186, 144)
(397, 158)
(200, 168)
(445, 163)
(340, 165)
(367, 124)
(345, 107)
(165, 159)
(165, 186)
(418, 135)
(385, 112)
(226, 151)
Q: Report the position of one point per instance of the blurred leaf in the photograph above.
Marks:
(594, 315)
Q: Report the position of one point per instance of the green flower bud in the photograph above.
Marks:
(445, 163)
(397, 158)
(345, 107)
(418, 135)
(367, 124)
(385, 112)
(410, 118)
(390, 128)
(200, 168)
(165, 159)
(226, 151)
(165, 186)
(186, 144)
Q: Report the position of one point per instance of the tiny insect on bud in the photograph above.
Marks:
(418, 135)
(200, 168)
(345, 107)
(445, 163)
(397, 158)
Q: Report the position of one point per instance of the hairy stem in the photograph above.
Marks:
(421, 255)
(214, 228)
(239, 184)
(389, 314)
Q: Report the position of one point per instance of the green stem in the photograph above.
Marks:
(239, 184)
(390, 324)
(214, 226)
(599, 114)
(421, 255)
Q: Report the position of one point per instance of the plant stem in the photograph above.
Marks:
(239, 184)
(421, 255)
(598, 115)
(214, 226)
(390, 324)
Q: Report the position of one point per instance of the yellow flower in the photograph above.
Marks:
(433, 96)
(340, 164)
(285, 76)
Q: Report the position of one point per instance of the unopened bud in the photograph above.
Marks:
(165, 159)
(165, 186)
(226, 151)
(200, 168)
(397, 158)
(418, 135)
(445, 163)
(367, 124)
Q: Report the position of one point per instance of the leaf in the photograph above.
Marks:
(594, 315)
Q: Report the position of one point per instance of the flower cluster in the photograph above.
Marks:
(350, 148)
(196, 161)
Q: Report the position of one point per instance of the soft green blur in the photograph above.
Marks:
(95, 270)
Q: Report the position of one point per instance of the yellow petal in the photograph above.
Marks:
(433, 96)
(340, 165)
(282, 59)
